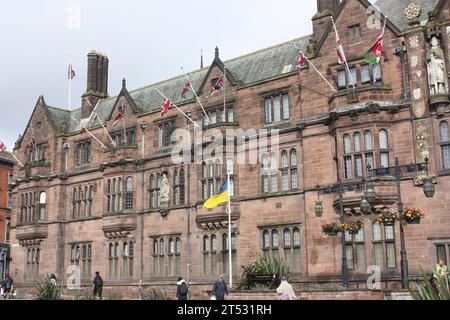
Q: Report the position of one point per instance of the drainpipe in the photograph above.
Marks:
(141, 218)
(401, 52)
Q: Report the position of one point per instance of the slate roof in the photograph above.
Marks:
(394, 10)
(6, 156)
(248, 69)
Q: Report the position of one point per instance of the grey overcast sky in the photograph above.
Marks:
(146, 42)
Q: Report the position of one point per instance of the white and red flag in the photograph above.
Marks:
(120, 115)
(218, 86)
(301, 60)
(165, 106)
(340, 50)
(187, 87)
(2, 146)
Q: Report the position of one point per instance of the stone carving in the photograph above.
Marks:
(413, 11)
(311, 47)
(417, 93)
(414, 61)
(414, 41)
(436, 68)
(421, 140)
(164, 189)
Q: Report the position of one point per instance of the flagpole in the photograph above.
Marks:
(312, 65)
(124, 128)
(195, 94)
(345, 58)
(230, 251)
(224, 90)
(94, 137)
(70, 83)
(16, 159)
(100, 120)
(176, 107)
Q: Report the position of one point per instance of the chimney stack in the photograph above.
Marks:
(325, 9)
(97, 82)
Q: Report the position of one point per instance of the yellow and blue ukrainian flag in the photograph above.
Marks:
(220, 197)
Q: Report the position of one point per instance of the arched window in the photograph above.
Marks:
(445, 144)
(86, 202)
(230, 171)
(205, 243)
(225, 242)
(175, 187)
(120, 194)
(368, 140)
(213, 243)
(218, 171)
(296, 237)
(287, 237)
(203, 169)
(266, 239)
(171, 246)
(275, 242)
(284, 159)
(158, 190)
(357, 141)
(384, 152)
(347, 148)
(211, 169)
(155, 247)
(178, 246)
(129, 194)
(293, 156)
(161, 247)
(42, 206)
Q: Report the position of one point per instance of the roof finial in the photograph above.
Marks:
(124, 83)
(217, 53)
(201, 59)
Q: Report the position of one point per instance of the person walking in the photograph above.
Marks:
(7, 286)
(285, 290)
(182, 289)
(441, 270)
(220, 289)
(98, 285)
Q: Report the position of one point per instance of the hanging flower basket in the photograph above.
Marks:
(331, 229)
(386, 218)
(413, 216)
(353, 227)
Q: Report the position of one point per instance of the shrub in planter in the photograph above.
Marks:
(353, 227)
(331, 229)
(45, 290)
(264, 272)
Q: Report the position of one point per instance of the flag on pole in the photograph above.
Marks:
(340, 50)
(71, 72)
(165, 106)
(218, 86)
(33, 142)
(187, 87)
(373, 56)
(301, 60)
(2, 146)
(220, 197)
(120, 116)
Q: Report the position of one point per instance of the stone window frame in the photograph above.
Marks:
(129, 193)
(113, 260)
(446, 253)
(161, 255)
(154, 189)
(351, 31)
(280, 250)
(366, 154)
(272, 177)
(174, 255)
(211, 177)
(354, 243)
(32, 260)
(385, 243)
(444, 143)
(114, 190)
(82, 201)
(164, 131)
(118, 138)
(127, 259)
(225, 253)
(178, 186)
(38, 152)
(28, 208)
(269, 111)
(375, 73)
(81, 256)
(220, 114)
(83, 153)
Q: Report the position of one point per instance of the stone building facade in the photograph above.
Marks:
(77, 202)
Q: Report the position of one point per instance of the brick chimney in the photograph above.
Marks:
(97, 82)
(325, 9)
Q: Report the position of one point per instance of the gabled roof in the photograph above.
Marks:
(249, 69)
(5, 156)
(395, 11)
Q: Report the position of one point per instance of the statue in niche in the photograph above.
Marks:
(436, 68)
(164, 189)
(311, 47)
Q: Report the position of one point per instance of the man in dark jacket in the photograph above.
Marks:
(7, 285)
(182, 289)
(98, 285)
(220, 289)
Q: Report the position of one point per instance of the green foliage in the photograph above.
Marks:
(156, 293)
(45, 290)
(264, 272)
(426, 290)
(85, 295)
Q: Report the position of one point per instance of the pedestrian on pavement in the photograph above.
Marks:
(285, 290)
(53, 279)
(7, 286)
(220, 289)
(98, 285)
(182, 289)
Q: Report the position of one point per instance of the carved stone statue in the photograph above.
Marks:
(311, 47)
(436, 68)
(164, 189)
